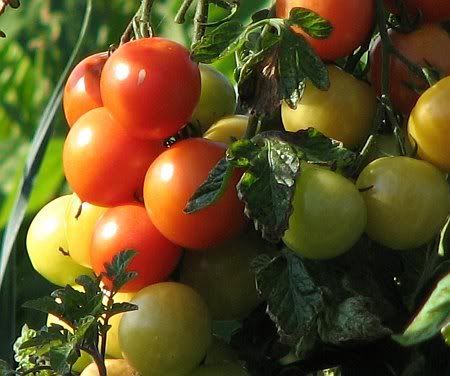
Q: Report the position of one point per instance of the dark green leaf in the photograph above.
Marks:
(90, 285)
(45, 339)
(242, 152)
(84, 325)
(212, 189)
(310, 22)
(118, 272)
(433, 316)
(444, 240)
(62, 357)
(260, 15)
(46, 305)
(121, 308)
(5, 368)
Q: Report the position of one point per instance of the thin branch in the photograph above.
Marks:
(180, 17)
(200, 19)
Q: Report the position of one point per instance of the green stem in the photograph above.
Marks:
(180, 17)
(98, 359)
(200, 19)
(253, 126)
(34, 370)
(106, 321)
(145, 21)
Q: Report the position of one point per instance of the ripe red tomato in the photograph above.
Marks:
(171, 181)
(151, 86)
(82, 90)
(352, 21)
(129, 227)
(429, 45)
(432, 11)
(103, 164)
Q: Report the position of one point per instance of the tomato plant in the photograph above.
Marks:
(220, 352)
(151, 86)
(430, 11)
(228, 129)
(220, 370)
(351, 20)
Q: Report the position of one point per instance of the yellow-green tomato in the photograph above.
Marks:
(170, 332)
(47, 244)
(345, 112)
(407, 201)
(329, 215)
(223, 277)
(217, 99)
(220, 352)
(114, 367)
(80, 223)
(220, 370)
(228, 129)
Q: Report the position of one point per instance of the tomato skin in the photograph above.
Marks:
(227, 129)
(345, 112)
(352, 22)
(82, 90)
(428, 45)
(151, 86)
(313, 232)
(408, 203)
(171, 181)
(118, 175)
(129, 227)
(429, 125)
(114, 367)
(431, 11)
(220, 370)
(170, 332)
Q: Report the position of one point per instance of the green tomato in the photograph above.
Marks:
(329, 215)
(223, 277)
(114, 367)
(227, 129)
(170, 332)
(217, 99)
(220, 370)
(220, 352)
(47, 244)
(407, 203)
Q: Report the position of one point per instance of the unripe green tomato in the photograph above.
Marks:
(329, 215)
(227, 129)
(220, 352)
(170, 332)
(344, 112)
(407, 201)
(80, 224)
(217, 99)
(220, 370)
(114, 367)
(223, 277)
(47, 244)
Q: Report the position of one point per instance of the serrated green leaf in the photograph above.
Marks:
(310, 22)
(444, 240)
(45, 340)
(117, 269)
(62, 357)
(433, 316)
(90, 285)
(260, 15)
(122, 307)
(83, 326)
(46, 305)
(242, 152)
(212, 189)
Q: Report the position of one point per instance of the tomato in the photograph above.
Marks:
(351, 20)
(151, 86)
(81, 218)
(227, 129)
(431, 11)
(345, 112)
(129, 227)
(47, 244)
(429, 125)
(220, 352)
(169, 333)
(223, 277)
(329, 215)
(217, 99)
(103, 164)
(114, 367)
(428, 45)
(407, 204)
(82, 90)
(171, 181)
(220, 370)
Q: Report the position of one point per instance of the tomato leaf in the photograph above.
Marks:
(121, 308)
(5, 368)
(46, 305)
(61, 357)
(310, 22)
(117, 269)
(431, 319)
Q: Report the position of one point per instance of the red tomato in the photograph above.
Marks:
(352, 21)
(151, 86)
(103, 164)
(129, 227)
(171, 181)
(429, 45)
(82, 90)
(431, 10)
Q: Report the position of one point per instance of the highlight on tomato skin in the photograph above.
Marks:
(82, 90)
(128, 227)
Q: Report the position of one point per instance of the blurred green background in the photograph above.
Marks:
(41, 35)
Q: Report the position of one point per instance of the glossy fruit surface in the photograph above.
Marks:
(345, 112)
(429, 125)
(47, 244)
(151, 86)
(103, 164)
(172, 180)
(407, 204)
(82, 90)
(129, 227)
(431, 11)
(227, 129)
(217, 99)
(329, 215)
(220, 370)
(114, 367)
(351, 20)
(427, 46)
(222, 276)
(81, 219)
(169, 333)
